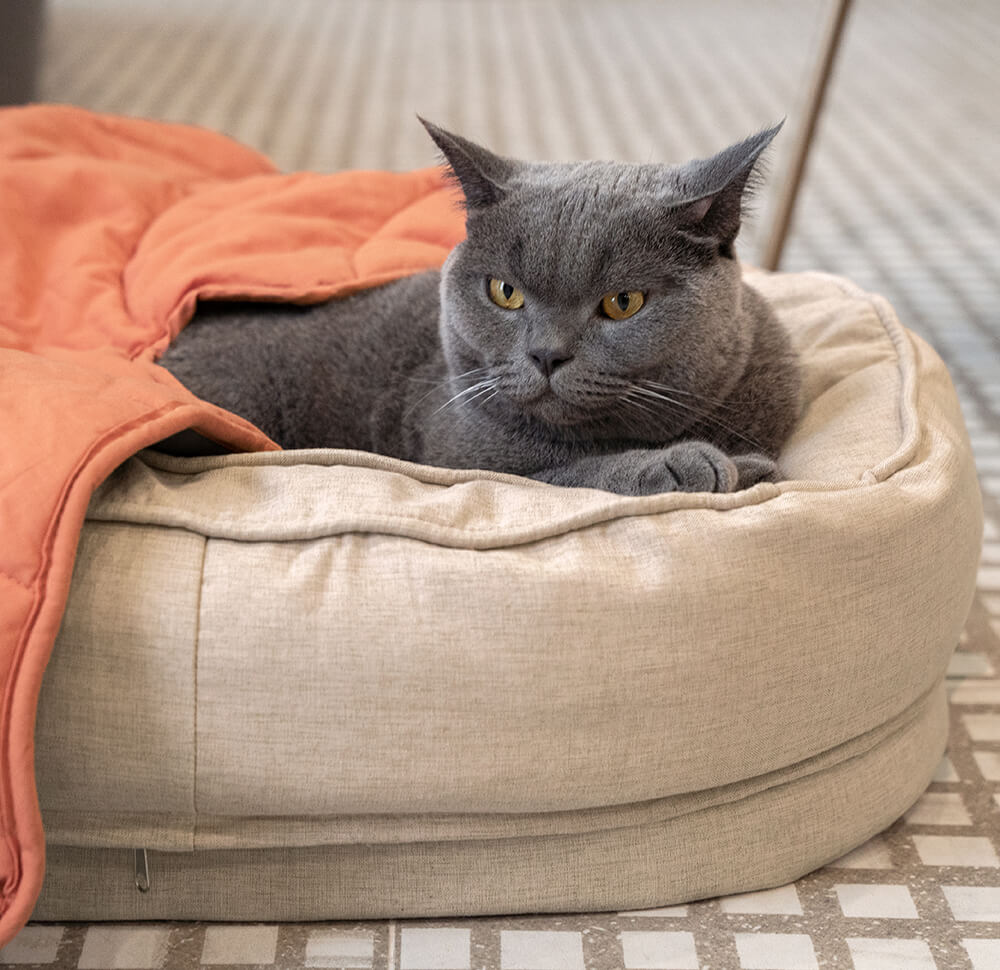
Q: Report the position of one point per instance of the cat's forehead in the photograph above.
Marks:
(563, 226)
(594, 186)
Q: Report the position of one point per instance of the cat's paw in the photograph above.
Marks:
(688, 466)
(755, 468)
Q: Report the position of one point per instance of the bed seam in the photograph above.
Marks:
(194, 693)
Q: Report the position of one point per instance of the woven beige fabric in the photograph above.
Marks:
(749, 844)
(176, 832)
(120, 699)
(320, 641)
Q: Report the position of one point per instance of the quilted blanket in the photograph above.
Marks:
(111, 230)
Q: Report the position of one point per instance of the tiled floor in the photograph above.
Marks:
(903, 196)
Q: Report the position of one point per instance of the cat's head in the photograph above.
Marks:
(587, 293)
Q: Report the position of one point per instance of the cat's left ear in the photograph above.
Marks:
(481, 175)
(717, 189)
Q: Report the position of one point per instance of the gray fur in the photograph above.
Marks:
(696, 391)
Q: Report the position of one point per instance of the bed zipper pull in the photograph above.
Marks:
(141, 871)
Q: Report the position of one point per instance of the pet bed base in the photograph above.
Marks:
(767, 839)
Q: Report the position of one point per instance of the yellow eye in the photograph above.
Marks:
(621, 306)
(505, 295)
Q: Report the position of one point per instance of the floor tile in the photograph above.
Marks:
(973, 691)
(34, 944)
(670, 911)
(876, 901)
(974, 904)
(891, 954)
(874, 854)
(988, 578)
(984, 954)
(541, 950)
(945, 771)
(240, 944)
(982, 727)
(653, 950)
(938, 808)
(783, 900)
(434, 949)
(124, 948)
(992, 603)
(988, 763)
(965, 663)
(341, 949)
(776, 951)
(956, 850)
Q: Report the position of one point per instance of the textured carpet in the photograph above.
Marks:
(902, 195)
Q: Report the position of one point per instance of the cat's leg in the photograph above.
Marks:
(688, 466)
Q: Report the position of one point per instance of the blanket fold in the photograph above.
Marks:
(112, 229)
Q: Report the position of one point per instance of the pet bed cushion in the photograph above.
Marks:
(334, 685)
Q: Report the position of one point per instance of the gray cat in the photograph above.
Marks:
(593, 329)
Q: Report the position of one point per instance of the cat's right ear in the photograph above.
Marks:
(481, 175)
(718, 189)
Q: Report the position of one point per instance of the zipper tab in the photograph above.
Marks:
(141, 871)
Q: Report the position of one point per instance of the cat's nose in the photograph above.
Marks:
(547, 360)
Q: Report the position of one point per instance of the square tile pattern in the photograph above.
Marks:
(340, 948)
(911, 216)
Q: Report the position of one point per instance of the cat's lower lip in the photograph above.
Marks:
(550, 407)
(526, 397)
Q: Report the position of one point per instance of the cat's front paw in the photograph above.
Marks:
(755, 468)
(688, 466)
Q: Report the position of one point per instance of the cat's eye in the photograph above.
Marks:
(621, 306)
(506, 295)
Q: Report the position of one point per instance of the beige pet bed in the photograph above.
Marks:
(326, 684)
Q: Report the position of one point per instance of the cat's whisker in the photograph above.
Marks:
(470, 373)
(707, 416)
(478, 396)
(624, 412)
(628, 399)
(436, 384)
(655, 385)
(682, 405)
(423, 397)
(476, 390)
(448, 378)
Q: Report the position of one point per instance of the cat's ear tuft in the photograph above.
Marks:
(716, 190)
(481, 175)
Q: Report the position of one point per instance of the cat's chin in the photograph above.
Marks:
(553, 410)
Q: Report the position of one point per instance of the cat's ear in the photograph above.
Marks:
(717, 188)
(481, 175)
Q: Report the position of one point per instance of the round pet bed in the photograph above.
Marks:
(334, 685)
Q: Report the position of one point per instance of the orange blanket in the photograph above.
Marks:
(111, 229)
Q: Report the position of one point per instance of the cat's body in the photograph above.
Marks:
(527, 353)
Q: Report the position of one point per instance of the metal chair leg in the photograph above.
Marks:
(789, 193)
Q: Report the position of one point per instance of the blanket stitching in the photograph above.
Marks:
(338, 286)
(17, 582)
